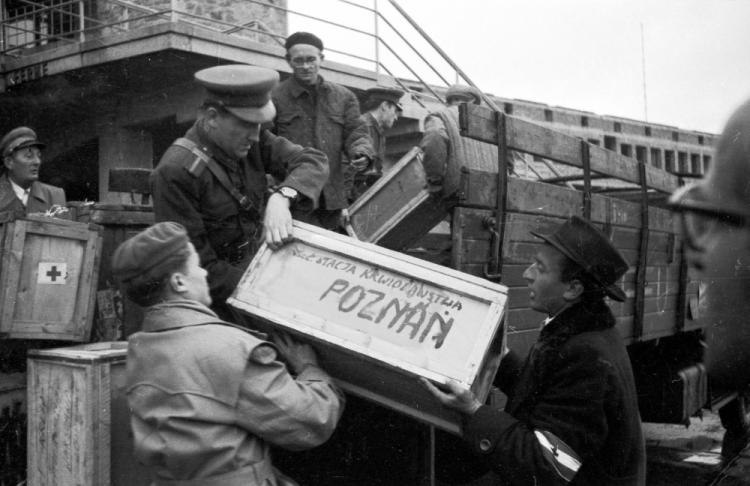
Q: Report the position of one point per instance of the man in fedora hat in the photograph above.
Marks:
(207, 399)
(21, 192)
(715, 218)
(382, 107)
(572, 411)
(314, 112)
(213, 180)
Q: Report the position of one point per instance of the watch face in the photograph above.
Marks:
(288, 192)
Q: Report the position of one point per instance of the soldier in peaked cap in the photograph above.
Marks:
(208, 413)
(382, 108)
(317, 113)
(21, 192)
(213, 180)
(572, 412)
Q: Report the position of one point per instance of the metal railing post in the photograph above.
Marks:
(377, 42)
(81, 22)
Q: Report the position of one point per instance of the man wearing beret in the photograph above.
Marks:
(213, 180)
(445, 151)
(382, 109)
(317, 113)
(207, 399)
(572, 412)
(21, 192)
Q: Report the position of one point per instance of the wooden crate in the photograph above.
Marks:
(381, 318)
(48, 273)
(398, 209)
(79, 425)
(118, 222)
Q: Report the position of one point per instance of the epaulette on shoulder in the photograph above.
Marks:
(196, 167)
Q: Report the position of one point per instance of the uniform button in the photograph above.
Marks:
(484, 445)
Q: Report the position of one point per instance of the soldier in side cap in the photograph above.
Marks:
(21, 192)
(317, 113)
(714, 215)
(382, 108)
(207, 399)
(572, 412)
(213, 180)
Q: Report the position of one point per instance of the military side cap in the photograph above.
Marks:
(244, 91)
(148, 254)
(578, 240)
(18, 138)
(303, 38)
(382, 93)
(464, 93)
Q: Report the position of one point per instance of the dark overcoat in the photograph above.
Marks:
(224, 234)
(41, 198)
(574, 397)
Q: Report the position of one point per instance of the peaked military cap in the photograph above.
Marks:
(303, 38)
(580, 241)
(464, 93)
(244, 91)
(18, 138)
(383, 93)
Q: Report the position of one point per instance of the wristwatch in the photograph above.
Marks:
(288, 193)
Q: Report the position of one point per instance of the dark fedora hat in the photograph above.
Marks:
(590, 249)
(383, 93)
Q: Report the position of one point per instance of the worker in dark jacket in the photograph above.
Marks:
(213, 181)
(382, 108)
(572, 412)
(21, 192)
(715, 217)
(317, 113)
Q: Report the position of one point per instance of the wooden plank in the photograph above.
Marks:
(478, 122)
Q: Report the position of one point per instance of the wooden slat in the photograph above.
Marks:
(477, 122)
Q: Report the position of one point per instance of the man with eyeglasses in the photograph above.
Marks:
(715, 218)
(317, 113)
(21, 192)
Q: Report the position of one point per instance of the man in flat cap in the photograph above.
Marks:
(208, 399)
(572, 412)
(382, 108)
(444, 150)
(715, 222)
(21, 192)
(317, 113)
(213, 180)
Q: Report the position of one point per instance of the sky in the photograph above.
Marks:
(585, 54)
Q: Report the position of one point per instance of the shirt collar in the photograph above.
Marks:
(21, 193)
(298, 89)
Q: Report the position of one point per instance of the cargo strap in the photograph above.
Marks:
(221, 176)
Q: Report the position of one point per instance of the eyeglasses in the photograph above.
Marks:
(303, 61)
(699, 217)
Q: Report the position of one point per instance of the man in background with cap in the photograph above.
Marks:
(213, 180)
(572, 411)
(715, 218)
(207, 399)
(317, 113)
(442, 144)
(21, 192)
(381, 110)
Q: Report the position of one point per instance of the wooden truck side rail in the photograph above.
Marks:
(495, 212)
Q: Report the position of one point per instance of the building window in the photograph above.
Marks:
(676, 136)
(618, 127)
(656, 157)
(640, 153)
(647, 131)
(548, 116)
(610, 142)
(626, 150)
(706, 163)
(695, 163)
(508, 108)
(682, 163)
(584, 121)
(700, 140)
(669, 160)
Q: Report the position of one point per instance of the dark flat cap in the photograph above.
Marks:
(464, 93)
(590, 249)
(245, 91)
(303, 38)
(383, 93)
(149, 253)
(18, 138)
